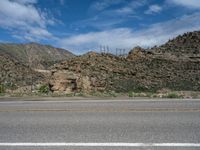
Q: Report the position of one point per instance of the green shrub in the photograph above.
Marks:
(172, 95)
(113, 94)
(2, 88)
(130, 94)
(44, 89)
(2, 94)
(149, 94)
(81, 94)
(10, 85)
(69, 95)
(140, 94)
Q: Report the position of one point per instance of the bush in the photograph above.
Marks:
(172, 95)
(2, 88)
(112, 93)
(80, 94)
(44, 89)
(130, 94)
(10, 85)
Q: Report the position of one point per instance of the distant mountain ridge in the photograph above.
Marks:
(35, 55)
(16, 73)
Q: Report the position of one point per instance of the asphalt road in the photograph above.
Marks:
(117, 124)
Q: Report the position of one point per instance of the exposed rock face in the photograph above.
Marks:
(92, 70)
(69, 82)
(63, 81)
(34, 55)
(137, 53)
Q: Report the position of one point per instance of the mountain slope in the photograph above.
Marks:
(13, 72)
(35, 55)
(187, 44)
(169, 66)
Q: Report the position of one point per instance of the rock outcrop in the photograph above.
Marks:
(68, 82)
(137, 53)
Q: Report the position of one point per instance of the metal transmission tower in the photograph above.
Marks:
(108, 50)
(120, 52)
(104, 49)
(100, 48)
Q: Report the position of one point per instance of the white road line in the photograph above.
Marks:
(98, 101)
(101, 144)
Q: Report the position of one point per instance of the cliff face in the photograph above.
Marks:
(174, 65)
(35, 55)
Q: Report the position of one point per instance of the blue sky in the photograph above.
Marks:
(84, 25)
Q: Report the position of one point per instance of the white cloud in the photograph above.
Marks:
(22, 17)
(100, 5)
(109, 18)
(62, 2)
(155, 34)
(153, 9)
(193, 4)
(124, 10)
(25, 1)
(130, 7)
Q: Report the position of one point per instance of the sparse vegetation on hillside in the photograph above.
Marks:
(14, 73)
(35, 55)
(172, 95)
(43, 89)
(174, 65)
(2, 88)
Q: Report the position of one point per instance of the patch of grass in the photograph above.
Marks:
(195, 95)
(130, 94)
(17, 95)
(172, 95)
(112, 94)
(104, 94)
(43, 89)
(57, 95)
(69, 95)
(140, 94)
(10, 85)
(2, 88)
(80, 94)
(149, 94)
(2, 94)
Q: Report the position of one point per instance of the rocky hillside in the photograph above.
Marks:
(35, 55)
(174, 65)
(187, 44)
(13, 72)
(88, 72)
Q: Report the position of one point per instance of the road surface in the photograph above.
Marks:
(100, 125)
